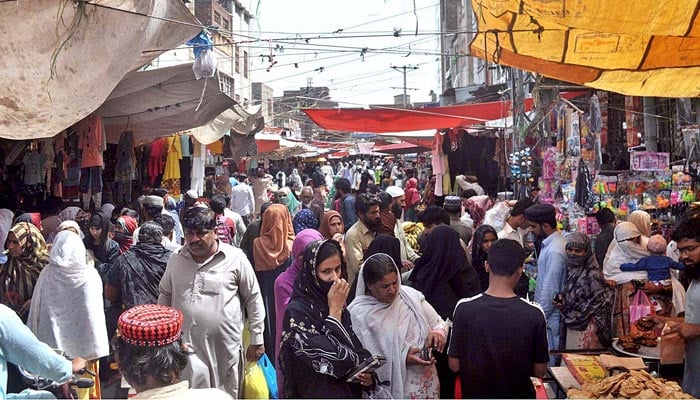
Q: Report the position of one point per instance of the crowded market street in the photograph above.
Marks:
(181, 218)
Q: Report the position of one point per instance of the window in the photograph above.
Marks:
(217, 18)
(269, 107)
(226, 84)
(238, 60)
(245, 63)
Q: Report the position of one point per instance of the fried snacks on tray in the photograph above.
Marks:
(629, 385)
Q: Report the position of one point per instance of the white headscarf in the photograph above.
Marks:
(392, 329)
(6, 217)
(622, 250)
(297, 184)
(67, 308)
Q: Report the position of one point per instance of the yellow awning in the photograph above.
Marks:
(641, 48)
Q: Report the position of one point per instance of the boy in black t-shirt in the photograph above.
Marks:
(499, 340)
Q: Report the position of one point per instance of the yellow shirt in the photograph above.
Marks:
(357, 240)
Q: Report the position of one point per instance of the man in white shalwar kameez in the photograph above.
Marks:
(211, 282)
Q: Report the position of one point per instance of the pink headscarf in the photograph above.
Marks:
(284, 284)
(411, 191)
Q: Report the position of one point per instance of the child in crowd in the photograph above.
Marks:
(657, 265)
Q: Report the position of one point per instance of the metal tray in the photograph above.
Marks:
(650, 353)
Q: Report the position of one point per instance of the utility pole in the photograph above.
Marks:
(403, 70)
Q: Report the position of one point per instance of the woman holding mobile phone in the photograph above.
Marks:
(397, 322)
(319, 349)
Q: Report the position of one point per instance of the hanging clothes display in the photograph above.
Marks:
(34, 163)
(143, 157)
(440, 166)
(48, 151)
(58, 173)
(171, 175)
(156, 162)
(125, 171)
(92, 142)
(185, 163)
(198, 159)
(454, 146)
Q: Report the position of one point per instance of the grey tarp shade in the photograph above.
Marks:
(91, 49)
(236, 120)
(161, 102)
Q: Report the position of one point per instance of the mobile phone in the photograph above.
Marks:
(426, 353)
(558, 299)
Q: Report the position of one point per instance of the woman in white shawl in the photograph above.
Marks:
(295, 181)
(626, 247)
(396, 321)
(66, 310)
(6, 217)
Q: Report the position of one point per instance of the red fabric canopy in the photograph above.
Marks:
(399, 148)
(339, 154)
(385, 120)
(266, 146)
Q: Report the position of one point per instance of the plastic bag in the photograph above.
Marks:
(497, 215)
(205, 65)
(254, 382)
(640, 307)
(270, 375)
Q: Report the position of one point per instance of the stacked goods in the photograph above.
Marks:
(633, 384)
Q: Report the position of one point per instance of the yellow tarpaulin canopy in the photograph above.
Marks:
(640, 48)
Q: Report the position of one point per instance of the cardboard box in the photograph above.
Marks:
(585, 368)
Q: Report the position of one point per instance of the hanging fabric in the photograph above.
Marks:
(171, 175)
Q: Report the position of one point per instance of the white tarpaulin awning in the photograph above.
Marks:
(161, 102)
(61, 59)
(237, 119)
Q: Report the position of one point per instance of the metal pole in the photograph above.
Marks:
(404, 86)
(403, 70)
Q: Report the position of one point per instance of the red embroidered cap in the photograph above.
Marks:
(150, 325)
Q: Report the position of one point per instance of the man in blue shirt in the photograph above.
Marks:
(551, 267)
(19, 346)
(347, 202)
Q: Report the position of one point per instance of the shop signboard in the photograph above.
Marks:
(649, 161)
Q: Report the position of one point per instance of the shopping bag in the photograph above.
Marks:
(640, 307)
(270, 375)
(254, 383)
(671, 347)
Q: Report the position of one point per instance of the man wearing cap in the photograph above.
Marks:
(515, 227)
(606, 222)
(211, 282)
(551, 266)
(152, 206)
(243, 200)
(453, 206)
(151, 355)
(408, 255)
